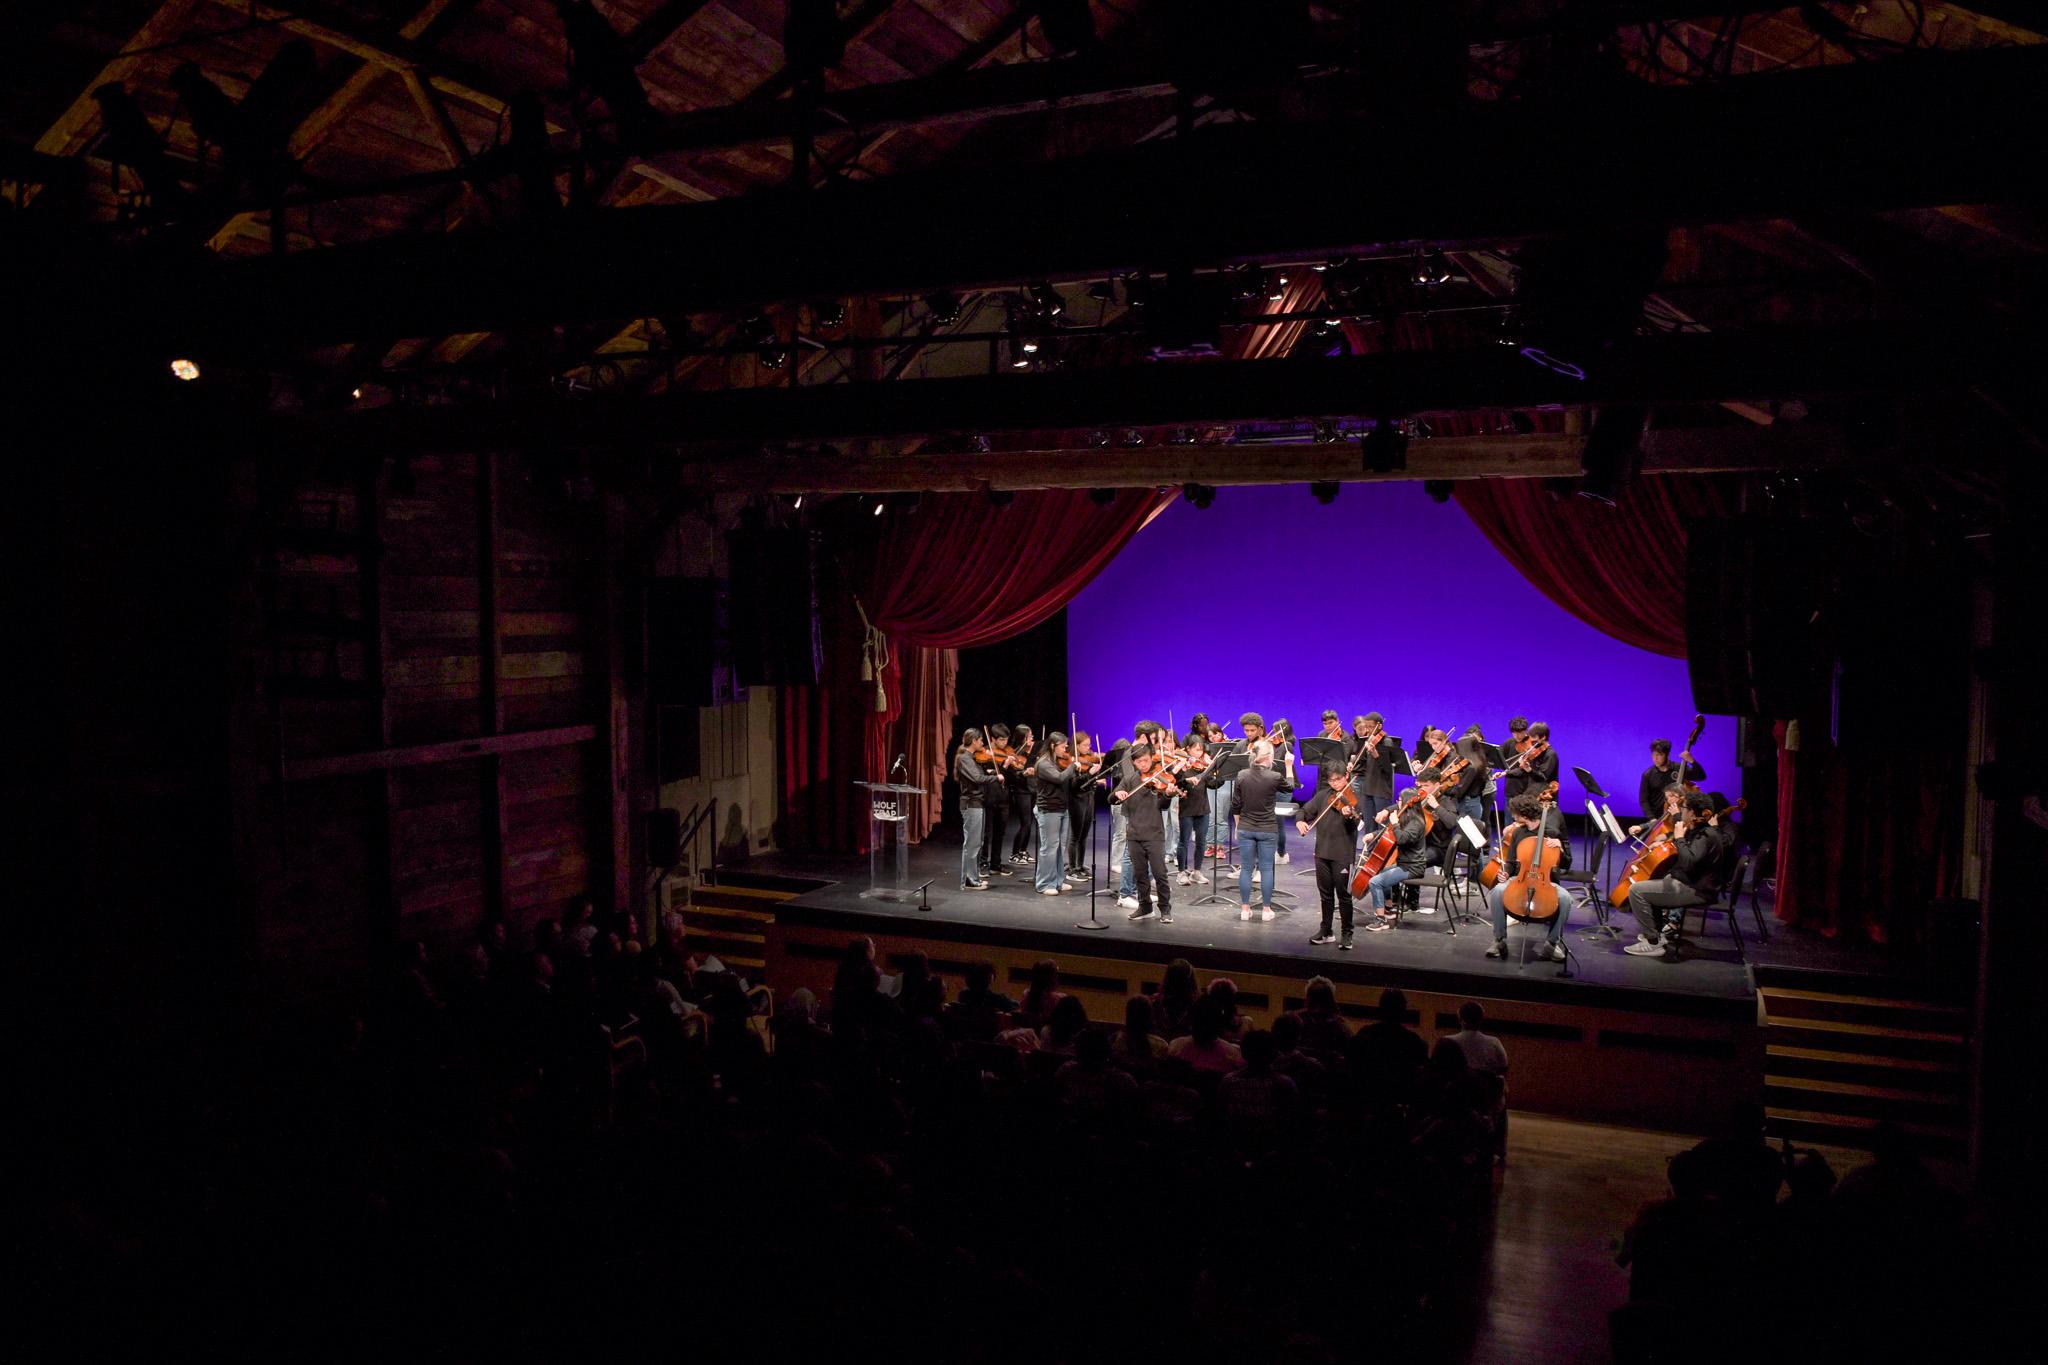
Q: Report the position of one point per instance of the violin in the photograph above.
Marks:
(1529, 752)
(1091, 759)
(1489, 876)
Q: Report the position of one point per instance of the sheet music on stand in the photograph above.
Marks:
(888, 841)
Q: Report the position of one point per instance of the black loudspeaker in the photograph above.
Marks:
(1749, 608)
(773, 608)
(664, 837)
(680, 641)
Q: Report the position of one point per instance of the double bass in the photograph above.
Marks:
(1382, 851)
(1489, 876)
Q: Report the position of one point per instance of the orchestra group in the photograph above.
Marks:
(1028, 802)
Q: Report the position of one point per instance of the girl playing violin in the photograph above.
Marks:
(996, 801)
(1081, 805)
(1023, 796)
(1333, 816)
(1372, 779)
(1194, 809)
(972, 770)
(1283, 763)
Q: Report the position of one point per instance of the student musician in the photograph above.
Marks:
(1372, 781)
(1081, 806)
(1023, 795)
(1673, 803)
(1703, 842)
(1258, 828)
(1144, 806)
(1662, 775)
(974, 781)
(1125, 777)
(1194, 811)
(1475, 789)
(1054, 787)
(1531, 815)
(1282, 740)
(1333, 730)
(1410, 835)
(1336, 836)
(996, 803)
(1219, 799)
(1524, 772)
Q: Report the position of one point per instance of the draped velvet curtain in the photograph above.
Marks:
(1620, 569)
(955, 572)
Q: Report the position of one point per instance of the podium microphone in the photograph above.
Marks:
(899, 764)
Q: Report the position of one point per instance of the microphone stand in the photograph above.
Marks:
(1091, 922)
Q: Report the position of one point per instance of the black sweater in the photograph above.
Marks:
(1054, 784)
(1542, 771)
(973, 780)
(1655, 781)
(1410, 836)
(1145, 813)
(1252, 799)
(1552, 828)
(1336, 835)
(1374, 775)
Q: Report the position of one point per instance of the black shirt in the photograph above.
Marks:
(1541, 772)
(1477, 776)
(1410, 835)
(1252, 800)
(1194, 796)
(1656, 781)
(1336, 835)
(973, 779)
(1374, 775)
(1551, 828)
(1053, 782)
(1144, 813)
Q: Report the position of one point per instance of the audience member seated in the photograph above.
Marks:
(1486, 1058)
(1224, 992)
(1173, 1005)
(1069, 1021)
(1205, 1048)
(1137, 1047)
(980, 1011)
(1308, 1073)
(1386, 1056)
(1043, 994)
(1259, 1103)
(1090, 1089)
(1323, 1029)
(920, 994)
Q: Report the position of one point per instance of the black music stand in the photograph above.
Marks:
(1596, 859)
(1224, 768)
(1232, 748)
(1092, 922)
(1495, 762)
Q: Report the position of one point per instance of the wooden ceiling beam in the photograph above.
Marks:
(75, 127)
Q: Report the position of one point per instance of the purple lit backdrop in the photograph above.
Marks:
(1348, 617)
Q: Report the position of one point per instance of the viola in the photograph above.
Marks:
(1489, 876)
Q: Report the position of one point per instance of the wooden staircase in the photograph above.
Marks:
(1840, 1060)
(730, 919)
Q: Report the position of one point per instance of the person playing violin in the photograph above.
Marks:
(1662, 775)
(1673, 802)
(1081, 805)
(1336, 832)
(1282, 740)
(1475, 790)
(1144, 802)
(974, 777)
(996, 802)
(1023, 796)
(1219, 805)
(1531, 815)
(1410, 835)
(1529, 768)
(1372, 779)
(1053, 779)
(1194, 809)
(1124, 776)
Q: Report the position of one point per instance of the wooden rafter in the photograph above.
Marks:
(77, 124)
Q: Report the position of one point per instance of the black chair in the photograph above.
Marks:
(1738, 881)
(1453, 893)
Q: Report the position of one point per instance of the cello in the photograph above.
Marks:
(1657, 850)
(1489, 876)
(1382, 851)
(1531, 894)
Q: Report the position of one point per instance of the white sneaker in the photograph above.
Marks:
(1267, 914)
(1644, 947)
(1197, 878)
(1181, 880)
(1282, 860)
(1245, 913)
(1126, 902)
(1049, 891)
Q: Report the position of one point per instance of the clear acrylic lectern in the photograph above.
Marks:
(888, 867)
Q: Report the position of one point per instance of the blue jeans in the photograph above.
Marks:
(1255, 844)
(1118, 827)
(1192, 828)
(1565, 905)
(1052, 849)
(1219, 815)
(1474, 807)
(1382, 883)
(972, 820)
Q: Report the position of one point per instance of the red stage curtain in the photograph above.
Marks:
(1619, 569)
(955, 572)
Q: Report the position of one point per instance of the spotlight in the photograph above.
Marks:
(187, 370)
(880, 503)
(1130, 437)
(1439, 490)
(1276, 288)
(830, 312)
(1282, 277)
(1102, 497)
(1614, 452)
(774, 357)
(1048, 299)
(1431, 269)
(1200, 494)
(1030, 346)
(1103, 291)
(1385, 447)
(356, 392)
(798, 504)
(945, 306)
(1325, 491)
(1098, 437)
(1002, 497)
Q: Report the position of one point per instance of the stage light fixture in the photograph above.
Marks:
(1439, 490)
(1048, 299)
(1431, 269)
(830, 312)
(945, 306)
(1276, 288)
(1102, 497)
(798, 504)
(1098, 438)
(774, 357)
(880, 503)
(1385, 447)
(1325, 490)
(1103, 291)
(1200, 494)
(186, 370)
(1130, 438)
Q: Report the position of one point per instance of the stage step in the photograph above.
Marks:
(1836, 1064)
(1849, 1130)
(733, 879)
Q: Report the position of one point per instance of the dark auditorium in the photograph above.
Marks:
(1024, 682)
